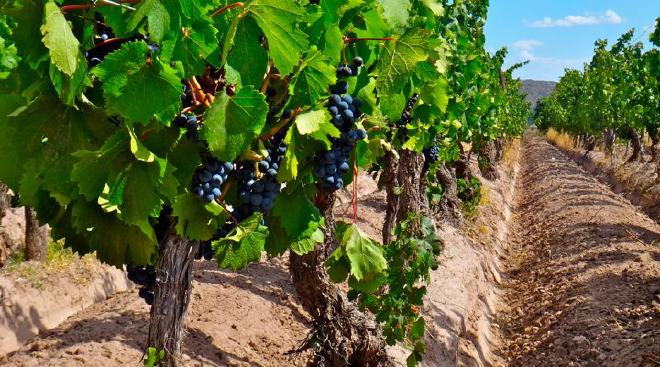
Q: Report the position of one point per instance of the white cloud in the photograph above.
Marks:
(526, 52)
(609, 17)
(526, 45)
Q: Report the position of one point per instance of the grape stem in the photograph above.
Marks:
(220, 200)
(349, 40)
(280, 125)
(264, 84)
(120, 3)
(355, 184)
(145, 135)
(227, 7)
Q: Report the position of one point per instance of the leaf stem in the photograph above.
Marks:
(120, 3)
(145, 135)
(227, 7)
(264, 84)
(280, 125)
(349, 40)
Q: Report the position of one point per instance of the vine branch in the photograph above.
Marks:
(227, 7)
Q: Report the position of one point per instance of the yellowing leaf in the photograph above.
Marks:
(59, 39)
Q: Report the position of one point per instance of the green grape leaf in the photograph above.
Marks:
(69, 88)
(338, 266)
(308, 243)
(158, 19)
(300, 219)
(9, 58)
(141, 193)
(114, 241)
(196, 220)
(277, 19)
(396, 12)
(92, 168)
(436, 7)
(10, 172)
(365, 255)
(243, 245)
(193, 42)
(137, 87)
(231, 123)
(185, 157)
(59, 39)
(138, 149)
(400, 58)
(247, 56)
(289, 164)
(374, 24)
(311, 80)
(50, 144)
(368, 285)
(317, 125)
(278, 241)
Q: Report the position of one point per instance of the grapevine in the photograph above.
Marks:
(195, 129)
(614, 95)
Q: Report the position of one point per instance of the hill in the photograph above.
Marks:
(537, 89)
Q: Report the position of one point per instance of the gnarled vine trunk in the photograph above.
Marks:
(36, 237)
(174, 277)
(636, 141)
(391, 184)
(344, 335)
(405, 187)
(5, 203)
(609, 136)
(488, 160)
(413, 197)
(5, 200)
(450, 204)
(589, 142)
(462, 166)
(499, 150)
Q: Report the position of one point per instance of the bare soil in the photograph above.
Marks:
(568, 275)
(637, 181)
(583, 277)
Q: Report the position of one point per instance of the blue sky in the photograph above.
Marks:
(556, 34)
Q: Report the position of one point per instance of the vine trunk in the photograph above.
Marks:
(174, 276)
(450, 204)
(343, 335)
(488, 153)
(36, 237)
(636, 141)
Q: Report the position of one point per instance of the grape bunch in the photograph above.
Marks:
(406, 115)
(209, 179)
(344, 109)
(145, 277)
(352, 69)
(188, 122)
(332, 164)
(258, 185)
(186, 95)
(431, 155)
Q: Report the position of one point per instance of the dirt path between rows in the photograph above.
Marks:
(582, 283)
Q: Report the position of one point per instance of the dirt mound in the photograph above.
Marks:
(583, 281)
(637, 181)
(237, 319)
